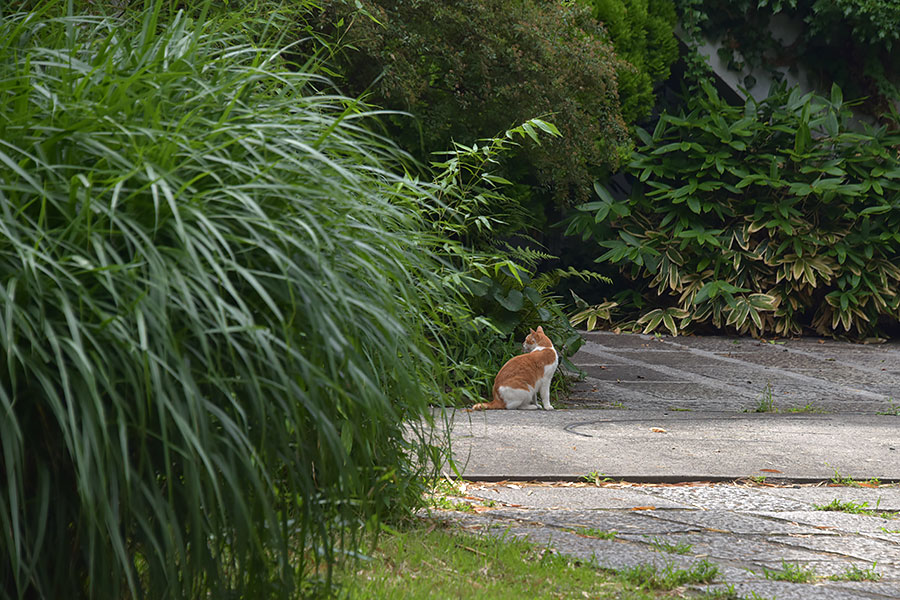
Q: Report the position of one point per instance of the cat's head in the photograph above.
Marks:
(536, 338)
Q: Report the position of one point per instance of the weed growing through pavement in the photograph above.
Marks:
(442, 497)
(726, 592)
(766, 402)
(446, 486)
(593, 532)
(893, 409)
(839, 479)
(855, 508)
(854, 573)
(806, 408)
(445, 503)
(596, 477)
(669, 577)
(791, 572)
(663, 546)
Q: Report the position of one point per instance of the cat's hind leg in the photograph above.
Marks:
(517, 398)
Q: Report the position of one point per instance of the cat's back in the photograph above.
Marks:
(525, 370)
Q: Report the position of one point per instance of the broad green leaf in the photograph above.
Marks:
(533, 295)
(803, 139)
(547, 127)
(511, 301)
(876, 210)
(668, 148)
(669, 323)
(837, 96)
(603, 193)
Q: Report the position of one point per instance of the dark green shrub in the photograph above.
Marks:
(772, 218)
(642, 32)
(213, 331)
(464, 69)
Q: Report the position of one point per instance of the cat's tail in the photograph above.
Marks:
(496, 404)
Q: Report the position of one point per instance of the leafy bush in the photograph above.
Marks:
(502, 293)
(213, 332)
(851, 42)
(466, 68)
(770, 218)
(866, 21)
(642, 32)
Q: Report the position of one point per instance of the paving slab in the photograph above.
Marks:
(590, 498)
(866, 372)
(673, 446)
(884, 498)
(730, 522)
(783, 590)
(837, 521)
(639, 524)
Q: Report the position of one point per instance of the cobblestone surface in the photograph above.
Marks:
(751, 532)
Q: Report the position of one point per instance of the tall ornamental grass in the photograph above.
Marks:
(210, 316)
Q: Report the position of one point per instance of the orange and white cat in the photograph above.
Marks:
(522, 377)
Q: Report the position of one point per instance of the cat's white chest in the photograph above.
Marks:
(549, 370)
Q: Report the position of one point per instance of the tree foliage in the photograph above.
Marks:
(773, 218)
(464, 69)
(642, 32)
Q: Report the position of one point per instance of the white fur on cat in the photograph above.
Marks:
(527, 399)
(523, 377)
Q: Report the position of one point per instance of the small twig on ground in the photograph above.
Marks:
(479, 552)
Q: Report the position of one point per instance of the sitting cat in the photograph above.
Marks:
(522, 377)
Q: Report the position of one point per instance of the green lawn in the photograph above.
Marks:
(430, 559)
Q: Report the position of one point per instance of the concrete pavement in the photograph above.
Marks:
(728, 447)
(701, 408)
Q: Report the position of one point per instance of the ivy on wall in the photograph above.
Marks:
(855, 43)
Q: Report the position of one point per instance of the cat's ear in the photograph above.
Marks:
(530, 330)
(540, 330)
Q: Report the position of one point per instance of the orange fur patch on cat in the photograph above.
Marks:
(524, 376)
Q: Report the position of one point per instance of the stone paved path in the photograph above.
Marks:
(847, 395)
(734, 374)
(745, 530)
